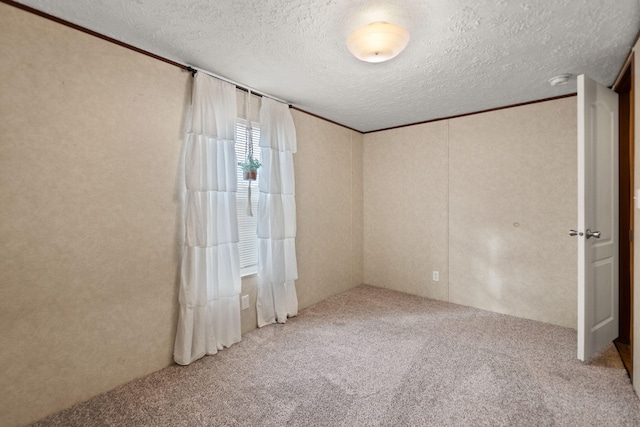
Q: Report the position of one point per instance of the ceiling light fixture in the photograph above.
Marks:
(378, 42)
(560, 79)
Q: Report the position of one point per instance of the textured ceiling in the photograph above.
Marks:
(463, 56)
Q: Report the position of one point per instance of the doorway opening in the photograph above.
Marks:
(624, 87)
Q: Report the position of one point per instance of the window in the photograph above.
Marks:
(248, 246)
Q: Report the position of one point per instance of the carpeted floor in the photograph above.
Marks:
(375, 357)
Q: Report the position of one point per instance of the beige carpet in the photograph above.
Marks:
(375, 357)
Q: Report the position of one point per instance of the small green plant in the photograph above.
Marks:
(250, 164)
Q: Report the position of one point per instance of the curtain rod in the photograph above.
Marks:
(194, 70)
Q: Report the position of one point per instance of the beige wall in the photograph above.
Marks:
(91, 135)
(329, 209)
(512, 201)
(406, 209)
(486, 200)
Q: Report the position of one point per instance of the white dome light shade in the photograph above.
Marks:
(560, 79)
(377, 42)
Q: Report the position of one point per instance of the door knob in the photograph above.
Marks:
(575, 233)
(590, 233)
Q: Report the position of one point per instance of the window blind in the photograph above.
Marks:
(248, 246)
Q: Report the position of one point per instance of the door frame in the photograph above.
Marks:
(624, 86)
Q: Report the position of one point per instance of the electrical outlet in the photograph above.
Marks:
(436, 276)
(244, 302)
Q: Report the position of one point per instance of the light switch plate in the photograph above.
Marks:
(244, 302)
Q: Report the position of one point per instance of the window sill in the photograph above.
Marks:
(245, 273)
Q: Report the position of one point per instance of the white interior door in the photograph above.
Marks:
(597, 217)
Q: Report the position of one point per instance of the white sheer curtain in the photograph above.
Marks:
(209, 317)
(277, 265)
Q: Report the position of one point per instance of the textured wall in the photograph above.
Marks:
(512, 200)
(91, 134)
(357, 209)
(405, 209)
(328, 188)
(486, 200)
